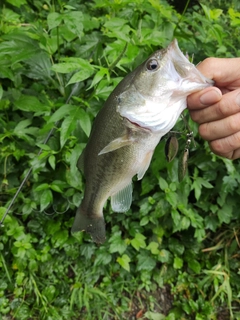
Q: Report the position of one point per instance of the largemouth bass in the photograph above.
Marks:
(142, 108)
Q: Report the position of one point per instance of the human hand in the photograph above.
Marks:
(217, 109)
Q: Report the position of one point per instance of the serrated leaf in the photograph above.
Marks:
(145, 263)
(30, 104)
(66, 67)
(54, 19)
(102, 258)
(73, 21)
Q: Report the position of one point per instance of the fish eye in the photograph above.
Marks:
(152, 65)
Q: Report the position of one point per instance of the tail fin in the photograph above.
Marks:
(92, 224)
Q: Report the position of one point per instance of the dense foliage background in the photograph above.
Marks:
(175, 254)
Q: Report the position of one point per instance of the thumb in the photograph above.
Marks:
(204, 98)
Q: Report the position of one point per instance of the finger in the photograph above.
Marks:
(221, 70)
(225, 107)
(203, 98)
(221, 128)
(228, 147)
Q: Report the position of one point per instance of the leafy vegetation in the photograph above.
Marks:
(175, 254)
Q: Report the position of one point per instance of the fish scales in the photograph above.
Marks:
(142, 108)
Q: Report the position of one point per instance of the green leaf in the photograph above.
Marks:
(175, 246)
(178, 263)
(194, 265)
(162, 183)
(117, 244)
(144, 221)
(56, 188)
(153, 247)
(99, 76)
(124, 262)
(62, 112)
(59, 238)
(49, 292)
(68, 125)
(85, 121)
(17, 3)
(172, 198)
(102, 258)
(139, 241)
(1, 91)
(225, 213)
(30, 104)
(146, 262)
(80, 76)
(73, 21)
(54, 19)
(154, 316)
(164, 256)
(45, 199)
(42, 186)
(52, 161)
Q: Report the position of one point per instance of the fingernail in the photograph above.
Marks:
(210, 97)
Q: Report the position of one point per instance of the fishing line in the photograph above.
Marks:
(75, 88)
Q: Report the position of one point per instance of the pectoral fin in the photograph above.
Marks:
(144, 165)
(117, 143)
(121, 201)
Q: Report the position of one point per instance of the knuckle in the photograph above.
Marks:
(234, 123)
(195, 116)
(217, 147)
(204, 131)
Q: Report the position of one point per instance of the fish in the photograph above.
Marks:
(142, 108)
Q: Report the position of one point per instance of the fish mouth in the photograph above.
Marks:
(182, 64)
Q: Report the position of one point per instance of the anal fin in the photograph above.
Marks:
(121, 201)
